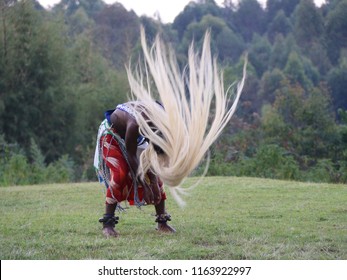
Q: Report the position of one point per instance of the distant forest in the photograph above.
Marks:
(60, 69)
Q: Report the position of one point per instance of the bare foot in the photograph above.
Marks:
(109, 232)
(164, 227)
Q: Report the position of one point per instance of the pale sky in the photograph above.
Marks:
(168, 9)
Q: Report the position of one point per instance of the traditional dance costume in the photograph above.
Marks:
(112, 166)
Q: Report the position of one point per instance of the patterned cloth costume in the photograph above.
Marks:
(111, 163)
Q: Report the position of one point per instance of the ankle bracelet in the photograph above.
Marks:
(163, 218)
(109, 220)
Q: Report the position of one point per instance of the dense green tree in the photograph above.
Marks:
(70, 7)
(337, 82)
(271, 81)
(79, 22)
(308, 27)
(230, 45)
(311, 71)
(227, 12)
(35, 84)
(275, 6)
(259, 54)
(274, 126)
(295, 71)
(196, 31)
(318, 54)
(328, 6)
(280, 52)
(279, 25)
(310, 128)
(194, 12)
(250, 102)
(187, 16)
(249, 19)
(343, 116)
(336, 30)
(116, 33)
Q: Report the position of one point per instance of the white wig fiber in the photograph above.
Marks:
(196, 108)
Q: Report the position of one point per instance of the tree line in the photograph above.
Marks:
(60, 69)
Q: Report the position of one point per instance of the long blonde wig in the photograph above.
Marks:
(196, 108)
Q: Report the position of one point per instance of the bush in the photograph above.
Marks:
(270, 161)
(325, 170)
(18, 169)
(60, 171)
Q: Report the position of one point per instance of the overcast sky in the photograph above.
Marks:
(168, 9)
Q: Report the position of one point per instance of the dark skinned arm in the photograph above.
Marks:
(151, 191)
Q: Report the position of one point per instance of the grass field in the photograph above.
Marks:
(225, 218)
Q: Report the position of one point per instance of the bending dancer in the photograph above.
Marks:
(196, 111)
(116, 158)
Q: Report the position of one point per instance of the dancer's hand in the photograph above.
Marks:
(155, 187)
(147, 193)
(151, 190)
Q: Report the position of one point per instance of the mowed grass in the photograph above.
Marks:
(225, 218)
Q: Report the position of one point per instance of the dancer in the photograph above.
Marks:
(196, 111)
(116, 159)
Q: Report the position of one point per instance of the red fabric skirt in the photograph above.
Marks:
(120, 186)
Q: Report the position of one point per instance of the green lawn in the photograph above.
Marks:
(225, 218)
